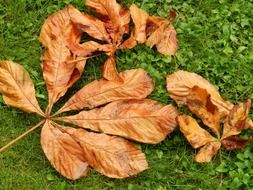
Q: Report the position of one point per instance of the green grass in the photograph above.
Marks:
(215, 40)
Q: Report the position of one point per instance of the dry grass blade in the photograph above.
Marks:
(144, 121)
(63, 152)
(136, 85)
(17, 88)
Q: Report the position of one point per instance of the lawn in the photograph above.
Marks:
(215, 41)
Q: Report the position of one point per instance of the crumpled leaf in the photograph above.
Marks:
(17, 87)
(199, 102)
(235, 122)
(136, 85)
(144, 121)
(207, 152)
(61, 69)
(180, 83)
(115, 16)
(109, 155)
(195, 135)
(140, 18)
(63, 152)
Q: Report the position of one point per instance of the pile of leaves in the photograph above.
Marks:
(203, 100)
(115, 106)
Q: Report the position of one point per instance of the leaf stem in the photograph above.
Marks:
(21, 136)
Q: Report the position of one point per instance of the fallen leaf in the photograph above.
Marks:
(109, 155)
(136, 85)
(196, 136)
(17, 88)
(63, 152)
(234, 142)
(144, 121)
(199, 102)
(59, 65)
(235, 122)
(110, 71)
(207, 152)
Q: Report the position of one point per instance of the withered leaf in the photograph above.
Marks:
(89, 24)
(140, 18)
(60, 67)
(110, 71)
(136, 85)
(180, 83)
(17, 87)
(109, 155)
(199, 103)
(195, 135)
(234, 142)
(207, 152)
(235, 122)
(144, 121)
(63, 152)
(115, 16)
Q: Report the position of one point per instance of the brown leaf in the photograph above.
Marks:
(180, 83)
(17, 87)
(90, 47)
(89, 24)
(116, 17)
(64, 153)
(207, 152)
(110, 155)
(110, 71)
(129, 43)
(61, 69)
(234, 142)
(199, 103)
(136, 85)
(144, 121)
(162, 34)
(195, 135)
(140, 18)
(235, 122)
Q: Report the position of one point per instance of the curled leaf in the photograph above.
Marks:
(110, 71)
(234, 142)
(136, 85)
(140, 120)
(199, 102)
(140, 18)
(195, 135)
(17, 87)
(180, 83)
(63, 152)
(110, 155)
(207, 152)
(235, 122)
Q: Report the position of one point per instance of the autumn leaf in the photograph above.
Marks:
(199, 102)
(115, 106)
(112, 24)
(180, 83)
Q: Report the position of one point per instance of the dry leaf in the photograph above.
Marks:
(199, 102)
(64, 153)
(17, 88)
(207, 152)
(234, 142)
(71, 151)
(60, 67)
(144, 121)
(235, 122)
(196, 136)
(136, 85)
(110, 155)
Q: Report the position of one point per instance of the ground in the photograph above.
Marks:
(215, 41)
